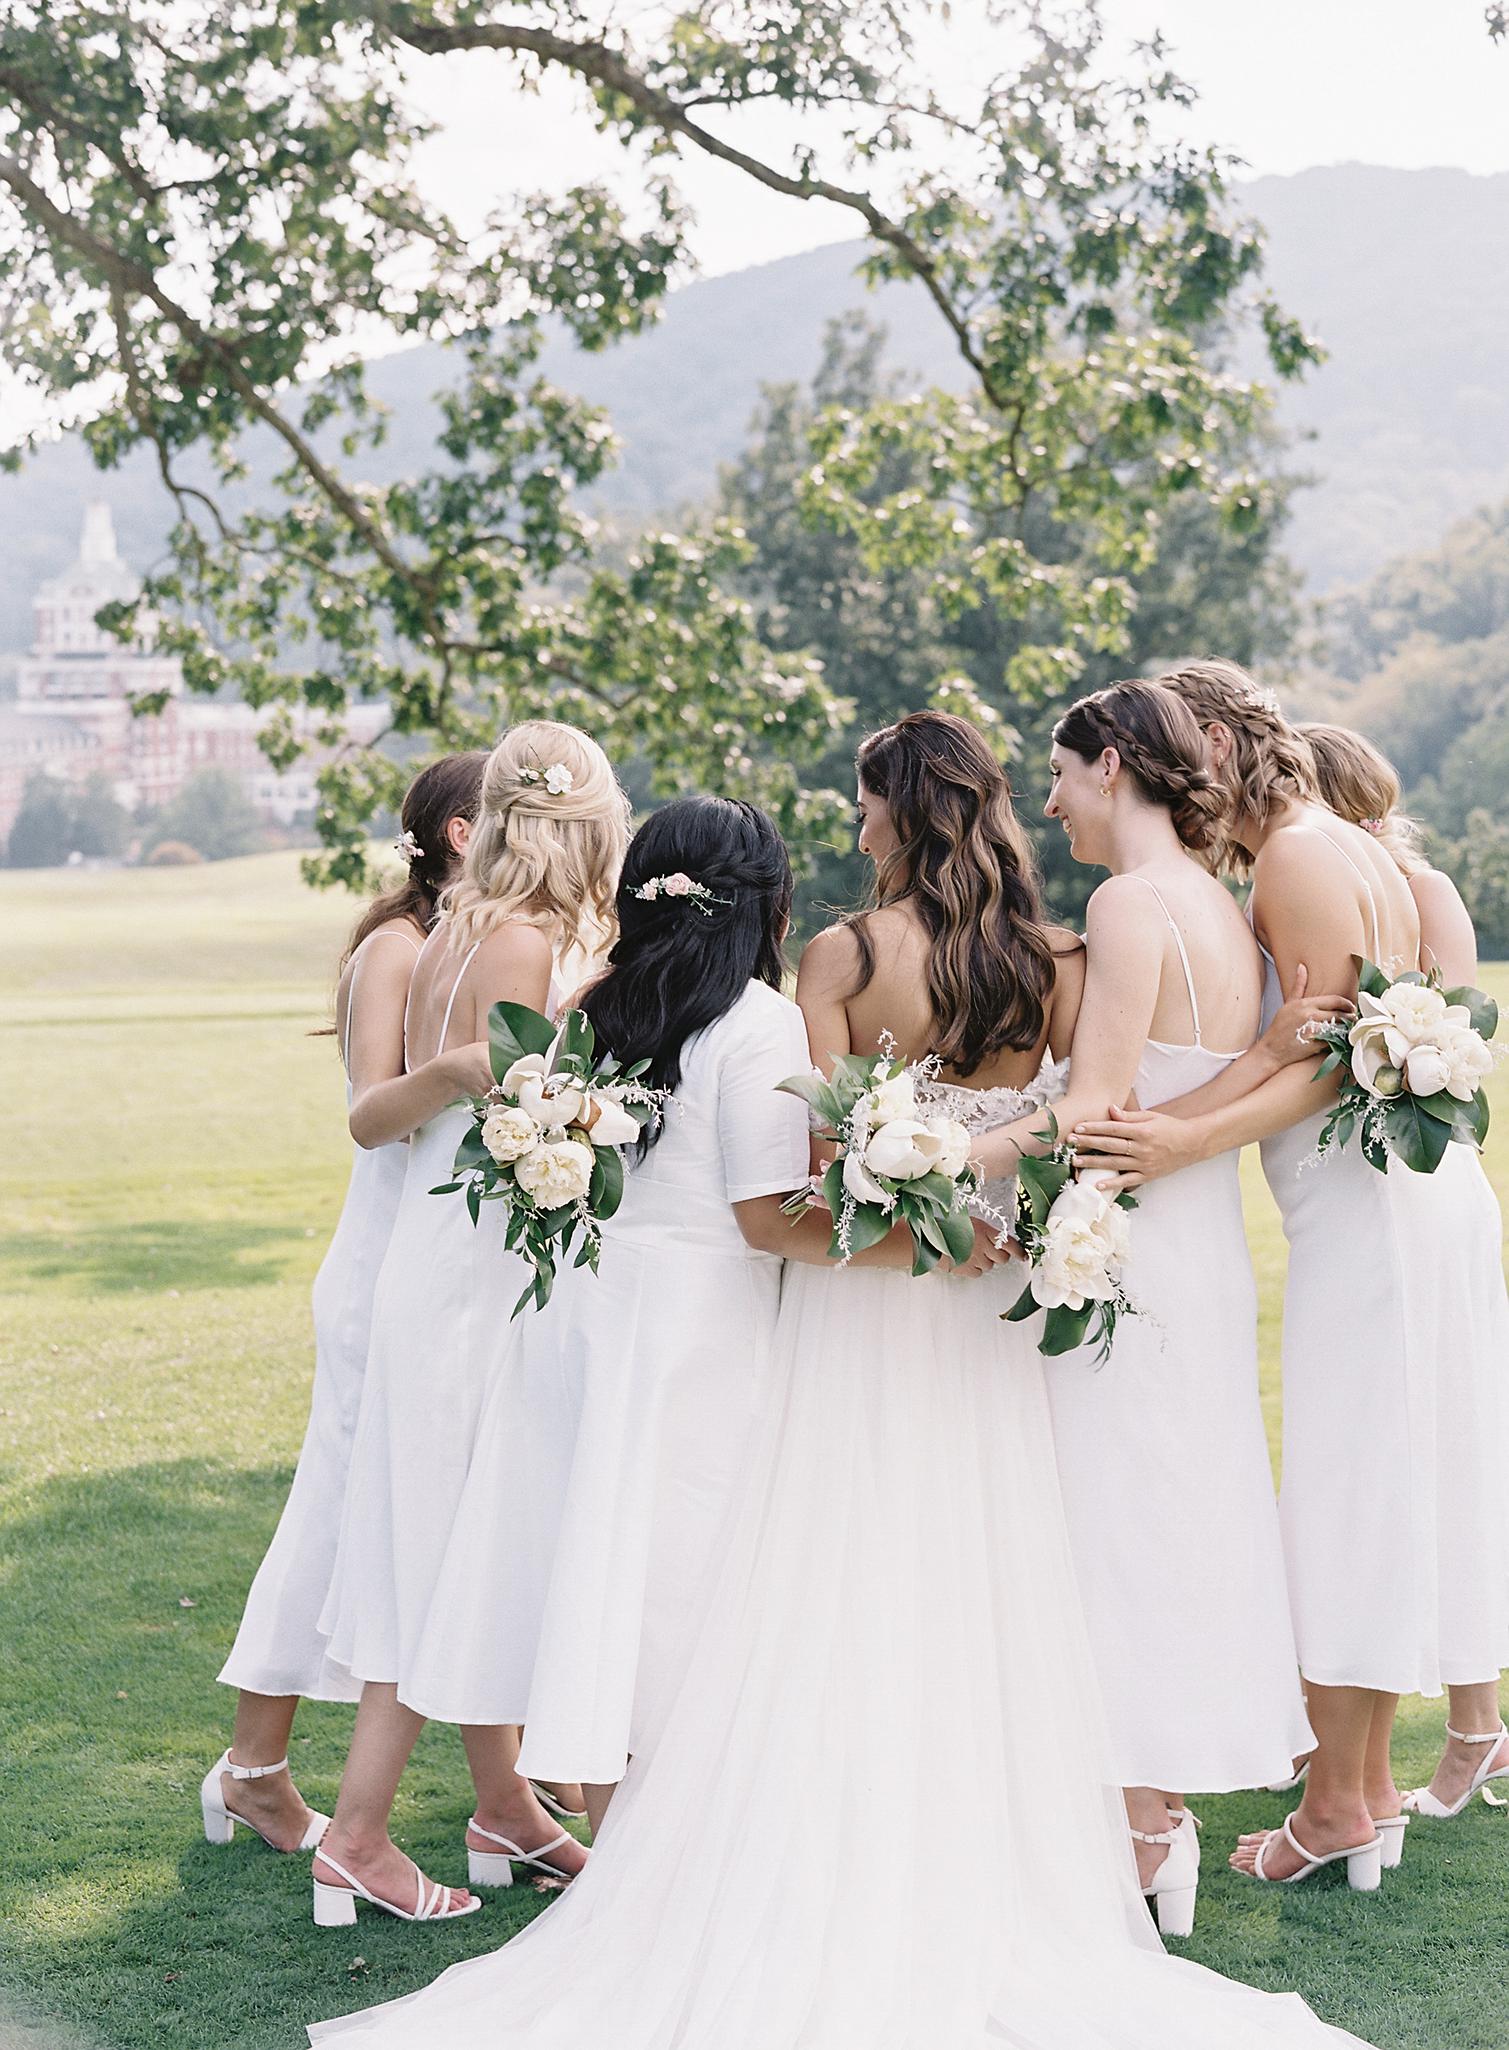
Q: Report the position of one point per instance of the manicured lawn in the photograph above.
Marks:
(171, 1164)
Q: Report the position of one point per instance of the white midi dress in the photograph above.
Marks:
(279, 1648)
(1394, 1503)
(441, 1330)
(608, 1454)
(1168, 1488)
(893, 1614)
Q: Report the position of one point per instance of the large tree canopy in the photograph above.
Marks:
(209, 216)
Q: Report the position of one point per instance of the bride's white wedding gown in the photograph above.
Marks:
(873, 1818)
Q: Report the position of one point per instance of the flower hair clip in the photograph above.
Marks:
(557, 779)
(1371, 825)
(408, 846)
(679, 885)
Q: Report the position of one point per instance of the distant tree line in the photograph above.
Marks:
(210, 819)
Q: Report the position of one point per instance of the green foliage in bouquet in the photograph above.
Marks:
(1075, 1240)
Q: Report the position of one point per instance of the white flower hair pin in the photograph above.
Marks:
(678, 885)
(557, 779)
(408, 846)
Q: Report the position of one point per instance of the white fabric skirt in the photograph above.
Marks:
(1172, 1514)
(441, 1331)
(603, 1475)
(1395, 1505)
(279, 1648)
(893, 1618)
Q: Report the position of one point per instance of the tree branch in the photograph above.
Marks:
(606, 68)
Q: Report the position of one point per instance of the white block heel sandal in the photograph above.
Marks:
(220, 1823)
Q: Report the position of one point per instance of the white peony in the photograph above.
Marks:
(530, 1066)
(1469, 1062)
(553, 1101)
(861, 1184)
(954, 1158)
(1085, 1240)
(556, 1171)
(612, 1126)
(905, 1149)
(1414, 1008)
(507, 1133)
(1426, 1069)
(894, 1099)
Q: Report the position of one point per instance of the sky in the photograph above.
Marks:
(1286, 84)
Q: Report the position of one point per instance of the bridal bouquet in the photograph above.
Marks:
(894, 1164)
(545, 1138)
(1075, 1238)
(1413, 1063)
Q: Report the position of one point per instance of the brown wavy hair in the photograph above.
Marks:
(1362, 786)
(1269, 760)
(448, 789)
(1162, 750)
(965, 864)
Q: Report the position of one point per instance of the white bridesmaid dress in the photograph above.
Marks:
(608, 1454)
(1394, 1502)
(440, 1331)
(893, 1615)
(1168, 1489)
(279, 1648)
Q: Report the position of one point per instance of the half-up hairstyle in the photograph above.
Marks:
(448, 789)
(548, 840)
(1162, 750)
(966, 866)
(1362, 786)
(680, 961)
(1269, 760)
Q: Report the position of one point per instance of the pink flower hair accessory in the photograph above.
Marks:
(678, 885)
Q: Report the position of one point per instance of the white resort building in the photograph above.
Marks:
(71, 717)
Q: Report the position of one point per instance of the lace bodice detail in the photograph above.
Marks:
(981, 1110)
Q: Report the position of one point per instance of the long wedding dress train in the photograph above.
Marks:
(872, 1819)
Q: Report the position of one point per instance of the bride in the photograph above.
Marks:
(872, 1818)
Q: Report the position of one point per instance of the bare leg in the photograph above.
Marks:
(597, 1799)
(1148, 1809)
(358, 1837)
(567, 1792)
(1333, 1811)
(1474, 1711)
(1378, 1783)
(264, 1723)
(506, 1802)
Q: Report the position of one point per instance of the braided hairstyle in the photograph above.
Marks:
(1269, 761)
(680, 961)
(964, 863)
(1162, 750)
(448, 789)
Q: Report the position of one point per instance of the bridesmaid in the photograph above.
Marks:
(1396, 1329)
(1362, 786)
(608, 1453)
(1161, 1451)
(279, 1653)
(537, 882)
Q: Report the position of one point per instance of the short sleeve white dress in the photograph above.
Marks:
(608, 1453)
(279, 1648)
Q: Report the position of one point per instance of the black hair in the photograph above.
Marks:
(680, 962)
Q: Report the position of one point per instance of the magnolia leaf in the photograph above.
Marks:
(1024, 1307)
(959, 1235)
(1064, 1329)
(1482, 1009)
(1419, 1139)
(608, 1175)
(925, 1256)
(1370, 978)
(869, 1226)
(473, 1200)
(514, 1030)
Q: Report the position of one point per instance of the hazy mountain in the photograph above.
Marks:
(1404, 275)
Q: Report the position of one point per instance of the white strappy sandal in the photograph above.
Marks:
(1175, 1884)
(495, 1868)
(1423, 1802)
(335, 1906)
(1364, 1861)
(1295, 1779)
(220, 1822)
(557, 1808)
(1391, 1828)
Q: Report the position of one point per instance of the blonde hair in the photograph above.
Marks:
(1362, 786)
(547, 857)
(1269, 759)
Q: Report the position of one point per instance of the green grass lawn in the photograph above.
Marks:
(172, 1159)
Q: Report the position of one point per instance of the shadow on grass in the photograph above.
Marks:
(120, 1922)
(153, 1257)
